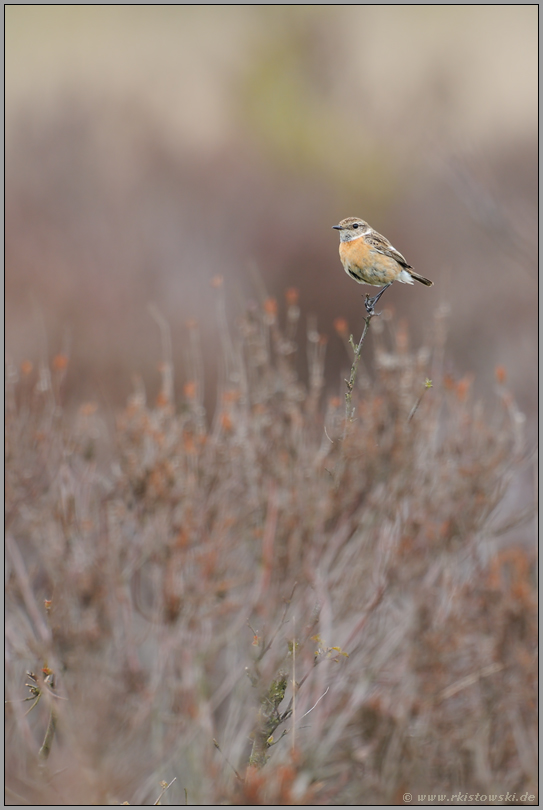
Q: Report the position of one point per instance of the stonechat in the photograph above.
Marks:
(369, 258)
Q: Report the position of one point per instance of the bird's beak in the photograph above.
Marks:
(338, 227)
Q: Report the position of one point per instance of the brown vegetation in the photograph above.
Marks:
(168, 599)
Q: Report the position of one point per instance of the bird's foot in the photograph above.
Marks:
(369, 303)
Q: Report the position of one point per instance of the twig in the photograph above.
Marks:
(349, 410)
(281, 623)
(41, 628)
(167, 363)
(45, 749)
(288, 711)
(16, 796)
(36, 701)
(463, 683)
(36, 691)
(427, 385)
(318, 701)
(219, 749)
(164, 789)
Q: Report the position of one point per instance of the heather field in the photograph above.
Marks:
(277, 605)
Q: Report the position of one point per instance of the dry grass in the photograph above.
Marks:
(176, 592)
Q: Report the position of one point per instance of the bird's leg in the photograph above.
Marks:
(370, 302)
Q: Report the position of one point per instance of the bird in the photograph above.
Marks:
(369, 258)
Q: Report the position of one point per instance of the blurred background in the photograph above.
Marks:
(151, 148)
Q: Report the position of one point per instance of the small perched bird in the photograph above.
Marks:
(369, 258)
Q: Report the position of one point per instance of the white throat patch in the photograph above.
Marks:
(345, 238)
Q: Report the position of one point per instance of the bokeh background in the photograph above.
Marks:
(151, 148)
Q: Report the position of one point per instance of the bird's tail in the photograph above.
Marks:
(422, 280)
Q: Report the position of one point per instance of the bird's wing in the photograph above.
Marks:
(382, 245)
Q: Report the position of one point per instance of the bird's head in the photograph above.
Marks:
(352, 228)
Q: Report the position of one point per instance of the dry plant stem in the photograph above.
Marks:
(469, 680)
(349, 411)
(166, 341)
(41, 628)
(281, 623)
(427, 385)
(219, 749)
(164, 789)
(45, 749)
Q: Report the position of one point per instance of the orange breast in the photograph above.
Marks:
(368, 264)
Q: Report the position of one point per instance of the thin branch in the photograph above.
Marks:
(219, 749)
(41, 628)
(36, 701)
(166, 341)
(164, 789)
(281, 623)
(463, 683)
(427, 385)
(45, 749)
(315, 704)
(349, 410)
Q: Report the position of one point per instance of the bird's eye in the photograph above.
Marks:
(355, 225)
